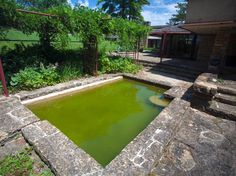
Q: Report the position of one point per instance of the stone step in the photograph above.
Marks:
(222, 110)
(180, 73)
(175, 70)
(226, 90)
(226, 98)
(182, 67)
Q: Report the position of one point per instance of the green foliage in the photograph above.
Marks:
(41, 4)
(105, 47)
(70, 71)
(180, 17)
(90, 25)
(118, 65)
(130, 33)
(20, 164)
(33, 77)
(130, 10)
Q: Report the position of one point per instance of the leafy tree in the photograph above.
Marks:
(127, 9)
(91, 25)
(41, 4)
(180, 17)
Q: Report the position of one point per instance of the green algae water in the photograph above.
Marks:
(102, 120)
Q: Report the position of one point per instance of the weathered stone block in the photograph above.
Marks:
(64, 157)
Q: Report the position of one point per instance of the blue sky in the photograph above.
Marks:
(158, 12)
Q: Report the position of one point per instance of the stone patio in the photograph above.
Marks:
(180, 141)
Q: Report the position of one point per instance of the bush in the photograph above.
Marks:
(118, 64)
(70, 71)
(33, 78)
(106, 47)
(36, 77)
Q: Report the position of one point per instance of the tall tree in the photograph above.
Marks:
(127, 9)
(180, 17)
(41, 4)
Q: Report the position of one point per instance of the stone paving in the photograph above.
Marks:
(179, 141)
(203, 145)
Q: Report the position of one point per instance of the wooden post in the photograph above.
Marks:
(163, 45)
(2, 78)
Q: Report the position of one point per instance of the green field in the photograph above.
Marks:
(14, 37)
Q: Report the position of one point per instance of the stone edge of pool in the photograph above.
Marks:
(65, 158)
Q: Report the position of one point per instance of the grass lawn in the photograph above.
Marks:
(14, 37)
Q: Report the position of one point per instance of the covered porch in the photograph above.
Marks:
(176, 42)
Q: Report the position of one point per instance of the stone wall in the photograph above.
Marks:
(210, 10)
(219, 50)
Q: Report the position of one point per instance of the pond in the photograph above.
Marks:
(104, 119)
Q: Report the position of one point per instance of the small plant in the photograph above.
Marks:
(106, 47)
(118, 64)
(20, 164)
(70, 71)
(34, 77)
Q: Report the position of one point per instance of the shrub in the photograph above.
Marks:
(70, 71)
(118, 64)
(106, 47)
(33, 77)
(40, 76)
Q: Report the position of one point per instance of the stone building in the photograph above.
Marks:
(214, 22)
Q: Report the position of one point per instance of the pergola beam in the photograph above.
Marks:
(35, 13)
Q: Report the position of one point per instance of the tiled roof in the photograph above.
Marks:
(170, 30)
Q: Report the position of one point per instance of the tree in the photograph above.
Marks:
(91, 25)
(127, 9)
(41, 4)
(180, 17)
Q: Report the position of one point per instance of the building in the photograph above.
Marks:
(153, 42)
(176, 42)
(214, 22)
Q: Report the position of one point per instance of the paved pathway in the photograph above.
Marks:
(152, 57)
(203, 145)
(172, 61)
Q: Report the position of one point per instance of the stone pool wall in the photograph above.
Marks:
(180, 140)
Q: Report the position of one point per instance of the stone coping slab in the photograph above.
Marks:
(59, 152)
(176, 91)
(164, 84)
(76, 84)
(138, 157)
(13, 117)
(25, 95)
(74, 89)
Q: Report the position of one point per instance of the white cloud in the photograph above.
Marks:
(70, 3)
(159, 13)
(83, 3)
(156, 18)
